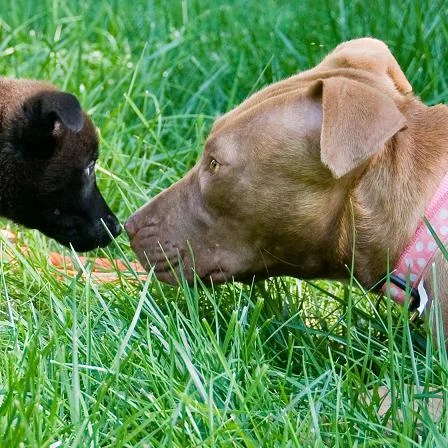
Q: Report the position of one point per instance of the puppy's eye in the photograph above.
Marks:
(90, 169)
(214, 166)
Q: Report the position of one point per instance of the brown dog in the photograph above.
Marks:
(287, 174)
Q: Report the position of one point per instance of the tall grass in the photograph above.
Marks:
(139, 364)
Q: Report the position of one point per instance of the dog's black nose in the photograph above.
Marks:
(113, 225)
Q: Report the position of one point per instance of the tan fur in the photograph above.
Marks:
(300, 161)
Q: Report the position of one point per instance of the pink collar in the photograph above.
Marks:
(417, 258)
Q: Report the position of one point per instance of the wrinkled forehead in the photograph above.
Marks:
(224, 146)
(291, 115)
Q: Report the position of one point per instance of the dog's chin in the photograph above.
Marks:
(219, 277)
(173, 264)
(79, 242)
(86, 245)
(174, 276)
(81, 235)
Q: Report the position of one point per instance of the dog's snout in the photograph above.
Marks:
(113, 225)
(130, 227)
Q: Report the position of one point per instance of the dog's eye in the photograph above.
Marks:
(90, 169)
(214, 166)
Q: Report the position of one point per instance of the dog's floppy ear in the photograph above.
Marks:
(357, 121)
(42, 120)
(49, 107)
(63, 107)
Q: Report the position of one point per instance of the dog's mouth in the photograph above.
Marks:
(78, 239)
(82, 243)
(174, 271)
(174, 275)
(172, 263)
(79, 232)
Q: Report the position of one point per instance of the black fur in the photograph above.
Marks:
(47, 180)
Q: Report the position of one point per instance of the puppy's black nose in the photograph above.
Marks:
(113, 225)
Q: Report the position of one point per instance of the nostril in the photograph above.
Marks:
(130, 227)
(113, 225)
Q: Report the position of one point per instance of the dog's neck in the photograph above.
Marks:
(390, 197)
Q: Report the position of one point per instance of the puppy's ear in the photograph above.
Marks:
(42, 120)
(49, 107)
(63, 107)
(357, 121)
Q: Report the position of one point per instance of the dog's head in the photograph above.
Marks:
(48, 150)
(268, 194)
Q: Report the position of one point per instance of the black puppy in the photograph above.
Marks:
(48, 149)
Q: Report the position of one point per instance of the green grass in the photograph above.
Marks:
(282, 363)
